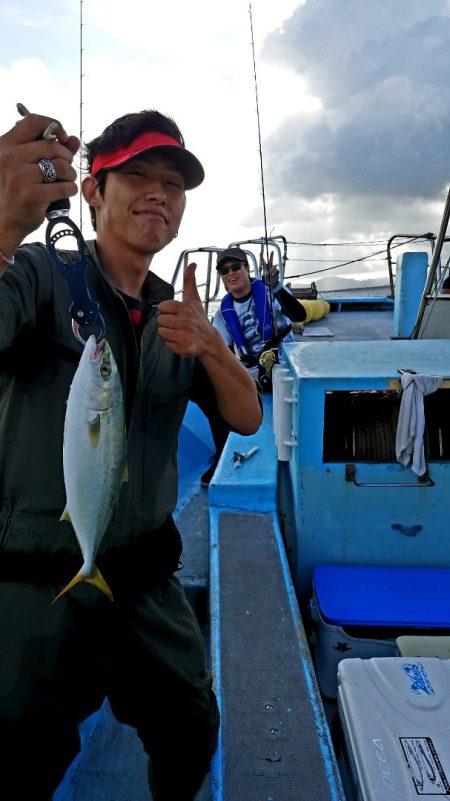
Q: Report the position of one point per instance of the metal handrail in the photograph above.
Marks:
(270, 243)
(422, 481)
(434, 266)
(429, 236)
(182, 264)
(279, 245)
(213, 249)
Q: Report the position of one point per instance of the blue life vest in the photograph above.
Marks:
(263, 315)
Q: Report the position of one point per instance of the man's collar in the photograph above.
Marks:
(245, 298)
(154, 289)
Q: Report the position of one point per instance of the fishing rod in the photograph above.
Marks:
(81, 108)
(85, 312)
(259, 129)
(261, 164)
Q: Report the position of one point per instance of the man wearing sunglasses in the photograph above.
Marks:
(254, 317)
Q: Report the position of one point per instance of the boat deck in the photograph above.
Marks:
(274, 732)
(350, 321)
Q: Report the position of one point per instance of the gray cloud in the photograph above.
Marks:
(382, 75)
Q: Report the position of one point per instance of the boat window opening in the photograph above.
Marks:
(361, 426)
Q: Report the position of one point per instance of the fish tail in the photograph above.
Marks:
(96, 579)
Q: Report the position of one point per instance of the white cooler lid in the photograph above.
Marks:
(395, 713)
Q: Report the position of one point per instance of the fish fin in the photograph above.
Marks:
(125, 473)
(66, 516)
(94, 431)
(97, 580)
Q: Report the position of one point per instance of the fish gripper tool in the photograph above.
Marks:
(84, 310)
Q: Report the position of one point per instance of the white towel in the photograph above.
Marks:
(411, 420)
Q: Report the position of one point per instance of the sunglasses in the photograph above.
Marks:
(223, 270)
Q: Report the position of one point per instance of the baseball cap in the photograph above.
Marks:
(232, 254)
(189, 166)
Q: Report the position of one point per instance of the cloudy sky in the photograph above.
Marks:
(353, 97)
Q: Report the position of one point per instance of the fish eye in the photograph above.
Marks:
(105, 369)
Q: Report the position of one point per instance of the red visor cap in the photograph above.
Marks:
(189, 166)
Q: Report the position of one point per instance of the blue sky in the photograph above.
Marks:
(354, 104)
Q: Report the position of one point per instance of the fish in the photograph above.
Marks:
(94, 455)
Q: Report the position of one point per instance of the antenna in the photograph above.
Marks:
(259, 134)
(81, 108)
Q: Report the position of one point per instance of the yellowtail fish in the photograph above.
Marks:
(94, 454)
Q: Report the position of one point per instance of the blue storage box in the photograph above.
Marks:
(352, 604)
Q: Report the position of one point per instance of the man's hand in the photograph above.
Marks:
(24, 196)
(183, 325)
(186, 330)
(269, 272)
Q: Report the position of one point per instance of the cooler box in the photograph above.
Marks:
(360, 611)
(395, 716)
(417, 645)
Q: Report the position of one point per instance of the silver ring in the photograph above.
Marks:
(47, 169)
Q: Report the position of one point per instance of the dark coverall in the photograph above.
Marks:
(144, 651)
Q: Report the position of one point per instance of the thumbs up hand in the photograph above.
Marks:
(183, 325)
(190, 291)
(186, 331)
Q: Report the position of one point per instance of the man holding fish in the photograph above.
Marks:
(144, 651)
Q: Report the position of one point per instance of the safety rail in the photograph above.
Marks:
(213, 278)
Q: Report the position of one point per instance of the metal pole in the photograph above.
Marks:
(435, 261)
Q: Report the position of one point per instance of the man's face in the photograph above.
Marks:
(142, 205)
(236, 281)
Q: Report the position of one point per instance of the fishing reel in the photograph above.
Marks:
(266, 362)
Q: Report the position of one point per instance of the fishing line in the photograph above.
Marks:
(263, 191)
(81, 110)
(259, 130)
